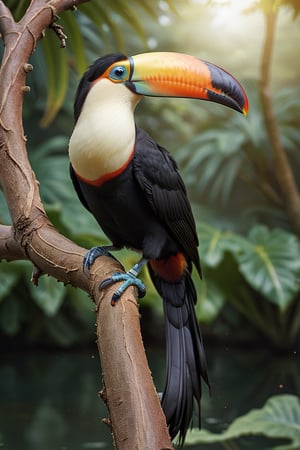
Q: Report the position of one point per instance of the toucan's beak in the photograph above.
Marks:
(167, 74)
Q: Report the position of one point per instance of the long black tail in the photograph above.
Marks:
(186, 362)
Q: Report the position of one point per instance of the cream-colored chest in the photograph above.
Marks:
(103, 138)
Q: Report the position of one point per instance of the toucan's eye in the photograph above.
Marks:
(118, 73)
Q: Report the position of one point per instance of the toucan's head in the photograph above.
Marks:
(164, 74)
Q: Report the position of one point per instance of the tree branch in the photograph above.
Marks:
(9, 249)
(7, 23)
(283, 171)
(135, 413)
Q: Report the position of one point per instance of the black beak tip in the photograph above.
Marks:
(225, 100)
(233, 94)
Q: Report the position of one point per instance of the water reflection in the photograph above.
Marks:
(49, 401)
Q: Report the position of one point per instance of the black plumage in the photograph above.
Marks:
(133, 188)
(146, 208)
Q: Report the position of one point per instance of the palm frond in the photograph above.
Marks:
(57, 77)
(238, 148)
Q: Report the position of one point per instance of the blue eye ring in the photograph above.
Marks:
(118, 73)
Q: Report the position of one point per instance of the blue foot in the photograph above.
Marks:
(93, 254)
(129, 280)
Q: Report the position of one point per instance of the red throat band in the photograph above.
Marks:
(108, 176)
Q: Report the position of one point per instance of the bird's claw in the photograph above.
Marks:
(129, 280)
(91, 255)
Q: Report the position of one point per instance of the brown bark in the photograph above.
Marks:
(136, 417)
(282, 168)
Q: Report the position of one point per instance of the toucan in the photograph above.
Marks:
(132, 187)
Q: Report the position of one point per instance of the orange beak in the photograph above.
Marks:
(167, 74)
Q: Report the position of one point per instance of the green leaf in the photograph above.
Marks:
(57, 76)
(51, 167)
(214, 243)
(100, 17)
(48, 295)
(62, 331)
(18, 7)
(279, 418)
(4, 211)
(129, 14)
(8, 279)
(10, 316)
(211, 299)
(237, 148)
(271, 264)
(75, 41)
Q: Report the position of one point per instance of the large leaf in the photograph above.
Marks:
(17, 7)
(211, 299)
(10, 316)
(8, 279)
(76, 43)
(57, 76)
(214, 243)
(216, 155)
(100, 16)
(234, 152)
(51, 166)
(279, 418)
(270, 262)
(62, 331)
(4, 212)
(48, 295)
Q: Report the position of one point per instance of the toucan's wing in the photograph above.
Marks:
(157, 174)
(77, 188)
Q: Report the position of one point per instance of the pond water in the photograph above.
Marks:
(49, 400)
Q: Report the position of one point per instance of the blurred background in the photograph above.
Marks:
(249, 298)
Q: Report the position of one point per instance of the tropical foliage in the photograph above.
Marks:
(258, 275)
(278, 419)
(61, 314)
(235, 151)
(249, 254)
(94, 26)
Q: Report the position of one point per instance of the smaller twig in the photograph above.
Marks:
(107, 422)
(28, 67)
(36, 274)
(58, 30)
(10, 250)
